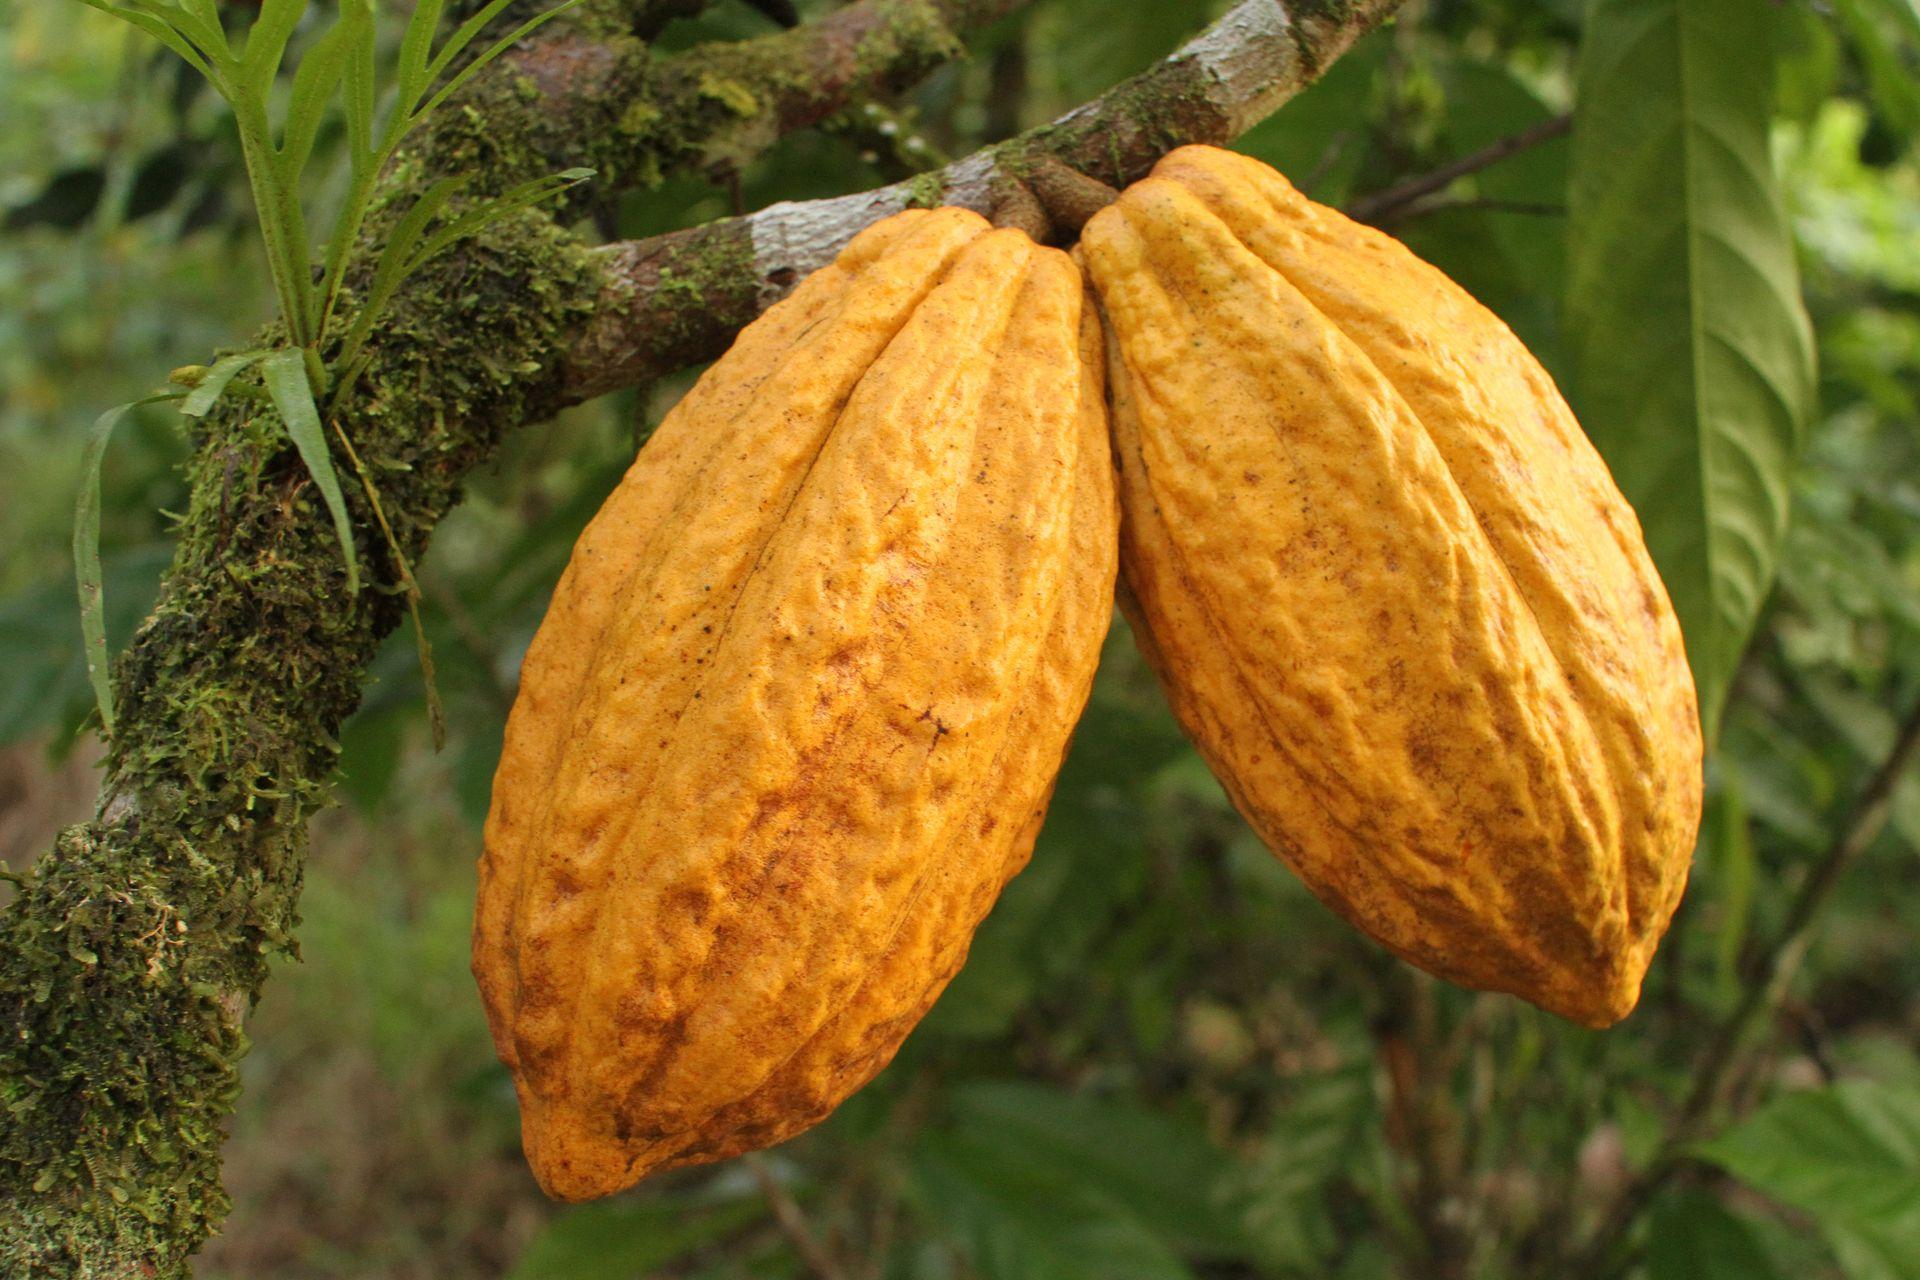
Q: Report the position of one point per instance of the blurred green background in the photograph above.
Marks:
(1164, 1060)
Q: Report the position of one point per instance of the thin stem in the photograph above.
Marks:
(1485, 204)
(1384, 204)
(290, 284)
(793, 1222)
(436, 713)
(1727, 1054)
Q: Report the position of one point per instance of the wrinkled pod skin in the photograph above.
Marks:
(796, 709)
(1392, 591)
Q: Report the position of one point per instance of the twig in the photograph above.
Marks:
(793, 1222)
(1425, 208)
(1765, 989)
(436, 712)
(1420, 1121)
(1384, 204)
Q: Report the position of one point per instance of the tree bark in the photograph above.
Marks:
(135, 947)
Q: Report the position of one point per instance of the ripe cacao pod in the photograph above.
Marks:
(1391, 590)
(795, 712)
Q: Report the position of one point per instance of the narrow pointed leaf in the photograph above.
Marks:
(166, 35)
(322, 68)
(86, 554)
(208, 11)
(286, 377)
(416, 47)
(463, 35)
(361, 92)
(215, 381)
(201, 27)
(480, 63)
(391, 268)
(1692, 349)
(267, 42)
(516, 197)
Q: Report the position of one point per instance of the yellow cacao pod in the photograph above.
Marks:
(1392, 591)
(796, 709)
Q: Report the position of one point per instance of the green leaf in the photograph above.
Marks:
(286, 377)
(1323, 1133)
(416, 47)
(361, 90)
(322, 68)
(86, 553)
(267, 43)
(1017, 1221)
(1691, 346)
(1692, 1237)
(391, 269)
(1159, 1170)
(167, 35)
(1890, 75)
(1849, 1157)
(622, 1239)
(492, 210)
(215, 381)
(465, 34)
(1870, 729)
(199, 24)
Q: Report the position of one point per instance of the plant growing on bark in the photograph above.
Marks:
(325, 352)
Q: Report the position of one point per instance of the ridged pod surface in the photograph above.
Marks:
(796, 709)
(1392, 591)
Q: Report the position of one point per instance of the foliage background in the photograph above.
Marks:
(1164, 1059)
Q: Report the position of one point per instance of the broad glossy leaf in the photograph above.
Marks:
(1159, 1167)
(1692, 1237)
(1019, 1221)
(622, 1239)
(1692, 351)
(1849, 1157)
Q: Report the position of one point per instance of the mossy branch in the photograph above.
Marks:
(674, 300)
(135, 947)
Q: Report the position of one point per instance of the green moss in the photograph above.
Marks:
(1138, 121)
(134, 948)
(926, 190)
(704, 290)
(734, 95)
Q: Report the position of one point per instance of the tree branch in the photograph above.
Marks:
(678, 299)
(603, 99)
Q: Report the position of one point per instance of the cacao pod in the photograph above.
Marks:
(1391, 589)
(796, 708)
